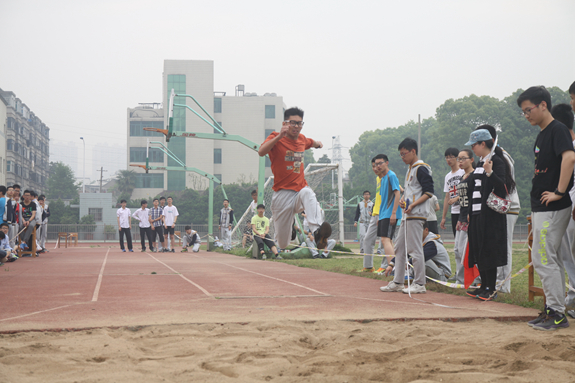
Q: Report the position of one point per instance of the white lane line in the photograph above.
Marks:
(186, 279)
(34, 313)
(267, 276)
(100, 276)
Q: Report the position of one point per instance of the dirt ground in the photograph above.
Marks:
(288, 351)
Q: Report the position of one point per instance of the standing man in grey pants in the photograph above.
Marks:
(550, 202)
(226, 222)
(363, 216)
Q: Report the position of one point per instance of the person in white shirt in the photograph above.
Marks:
(44, 222)
(170, 215)
(124, 214)
(143, 215)
(450, 188)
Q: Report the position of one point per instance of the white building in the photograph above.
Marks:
(26, 158)
(247, 114)
(3, 137)
(69, 154)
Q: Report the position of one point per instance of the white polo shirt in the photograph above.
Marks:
(142, 215)
(170, 213)
(124, 215)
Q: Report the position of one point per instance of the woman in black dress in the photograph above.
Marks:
(487, 230)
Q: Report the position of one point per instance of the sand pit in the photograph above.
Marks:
(288, 351)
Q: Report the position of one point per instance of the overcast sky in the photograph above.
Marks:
(351, 65)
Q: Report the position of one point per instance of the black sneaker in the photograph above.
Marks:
(143, 250)
(173, 251)
(322, 234)
(487, 295)
(539, 319)
(474, 292)
(552, 322)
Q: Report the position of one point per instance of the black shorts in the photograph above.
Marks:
(168, 230)
(384, 229)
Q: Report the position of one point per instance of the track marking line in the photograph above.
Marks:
(35, 312)
(267, 276)
(186, 279)
(275, 296)
(100, 276)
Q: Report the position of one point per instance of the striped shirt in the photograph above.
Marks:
(478, 175)
(155, 213)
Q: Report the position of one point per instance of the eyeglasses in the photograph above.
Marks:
(461, 159)
(527, 111)
(293, 123)
(403, 154)
(378, 163)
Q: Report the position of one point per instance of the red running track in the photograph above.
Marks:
(101, 286)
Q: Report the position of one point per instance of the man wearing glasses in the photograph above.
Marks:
(292, 195)
(550, 202)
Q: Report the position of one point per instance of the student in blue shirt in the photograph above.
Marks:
(2, 203)
(389, 211)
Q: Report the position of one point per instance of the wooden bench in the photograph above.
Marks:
(62, 236)
(73, 236)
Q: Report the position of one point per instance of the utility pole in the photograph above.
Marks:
(101, 176)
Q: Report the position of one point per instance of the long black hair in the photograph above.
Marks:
(509, 181)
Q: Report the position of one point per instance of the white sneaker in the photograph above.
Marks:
(415, 289)
(392, 287)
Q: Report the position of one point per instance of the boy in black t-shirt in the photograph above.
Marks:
(28, 219)
(550, 202)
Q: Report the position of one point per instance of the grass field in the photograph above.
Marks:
(352, 265)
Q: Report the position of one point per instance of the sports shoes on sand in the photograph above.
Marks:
(552, 322)
(392, 287)
(322, 234)
(539, 319)
(415, 289)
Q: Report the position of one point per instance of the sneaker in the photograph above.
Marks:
(173, 251)
(364, 270)
(380, 270)
(392, 287)
(184, 250)
(131, 251)
(379, 251)
(315, 256)
(123, 250)
(143, 250)
(486, 295)
(322, 234)
(539, 319)
(474, 292)
(415, 289)
(264, 257)
(325, 255)
(152, 250)
(278, 257)
(552, 322)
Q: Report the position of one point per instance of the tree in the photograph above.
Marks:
(308, 157)
(62, 214)
(126, 183)
(324, 160)
(61, 183)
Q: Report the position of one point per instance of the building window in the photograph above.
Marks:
(268, 132)
(217, 156)
(10, 144)
(217, 105)
(144, 180)
(270, 111)
(95, 212)
(218, 176)
(139, 155)
(137, 128)
(9, 166)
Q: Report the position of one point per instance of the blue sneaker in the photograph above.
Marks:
(131, 251)
(123, 250)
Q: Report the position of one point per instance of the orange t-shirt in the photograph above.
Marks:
(287, 162)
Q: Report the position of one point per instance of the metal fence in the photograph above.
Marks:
(104, 233)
